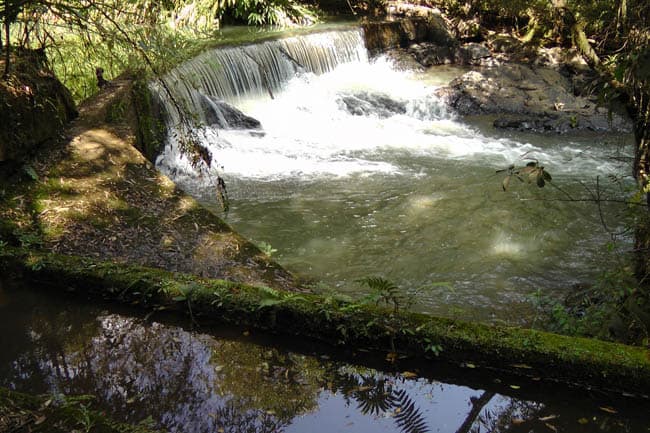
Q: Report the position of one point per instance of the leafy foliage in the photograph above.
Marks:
(267, 248)
(80, 35)
(272, 297)
(605, 310)
(377, 396)
(263, 12)
(383, 290)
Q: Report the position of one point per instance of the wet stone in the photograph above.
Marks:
(225, 116)
(372, 104)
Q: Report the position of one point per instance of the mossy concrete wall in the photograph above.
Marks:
(149, 117)
(592, 363)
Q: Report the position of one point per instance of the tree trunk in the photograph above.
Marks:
(581, 42)
(641, 172)
(8, 44)
(477, 407)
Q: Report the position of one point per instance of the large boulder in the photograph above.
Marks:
(219, 113)
(385, 35)
(431, 54)
(531, 98)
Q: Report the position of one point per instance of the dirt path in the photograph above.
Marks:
(97, 196)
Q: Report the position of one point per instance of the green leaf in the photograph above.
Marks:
(29, 170)
(270, 302)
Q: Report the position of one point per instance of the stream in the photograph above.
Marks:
(359, 170)
(232, 380)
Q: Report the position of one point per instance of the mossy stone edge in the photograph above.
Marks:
(583, 361)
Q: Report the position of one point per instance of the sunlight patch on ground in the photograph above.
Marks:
(503, 245)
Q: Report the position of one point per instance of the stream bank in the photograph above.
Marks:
(94, 194)
(95, 197)
(588, 362)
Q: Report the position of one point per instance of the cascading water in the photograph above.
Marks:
(257, 70)
(356, 169)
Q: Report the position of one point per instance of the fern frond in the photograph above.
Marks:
(408, 418)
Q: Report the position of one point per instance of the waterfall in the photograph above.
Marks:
(257, 70)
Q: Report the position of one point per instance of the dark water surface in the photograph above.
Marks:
(234, 381)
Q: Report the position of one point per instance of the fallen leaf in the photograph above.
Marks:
(548, 418)
(583, 421)
(364, 388)
(608, 409)
(469, 365)
(391, 357)
(40, 420)
(515, 386)
(521, 366)
(409, 374)
(551, 426)
(518, 421)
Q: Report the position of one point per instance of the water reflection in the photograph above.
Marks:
(195, 382)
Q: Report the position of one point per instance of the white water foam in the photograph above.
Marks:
(309, 131)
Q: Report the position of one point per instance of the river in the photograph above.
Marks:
(359, 170)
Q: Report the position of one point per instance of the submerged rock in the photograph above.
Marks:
(371, 104)
(225, 116)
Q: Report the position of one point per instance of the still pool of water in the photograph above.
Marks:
(362, 171)
(231, 381)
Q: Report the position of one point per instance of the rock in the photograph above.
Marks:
(380, 36)
(371, 104)
(430, 54)
(475, 54)
(384, 35)
(505, 44)
(529, 98)
(403, 60)
(219, 113)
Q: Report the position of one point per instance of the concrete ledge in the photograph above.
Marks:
(586, 362)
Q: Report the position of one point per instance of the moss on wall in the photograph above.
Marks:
(589, 362)
(150, 124)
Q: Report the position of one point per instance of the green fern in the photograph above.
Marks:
(272, 297)
(383, 290)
